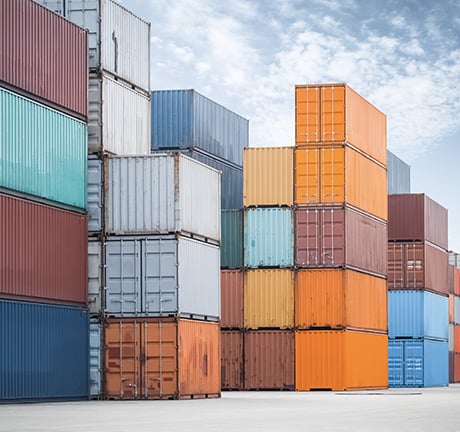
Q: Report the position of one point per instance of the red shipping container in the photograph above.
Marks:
(44, 56)
(43, 253)
(232, 366)
(231, 298)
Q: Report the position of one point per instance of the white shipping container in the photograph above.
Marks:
(451, 338)
(95, 282)
(161, 194)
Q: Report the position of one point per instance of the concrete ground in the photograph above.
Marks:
(405, 410)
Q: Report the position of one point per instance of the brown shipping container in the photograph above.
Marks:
(44, 56)
(417, 217)
(335, 113)
(457, 281)
(232, 366)
(417, 265)
(340, 360)
(451, 367)
(161, 359)
(340, 299)
(231, 298)
(43, 253)
(269, 360)
(340, 237)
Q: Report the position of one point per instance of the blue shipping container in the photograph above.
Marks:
(43, 351)
(398, 175)
(95, 359)
(185, 119)
(417, 363)
(417, 314)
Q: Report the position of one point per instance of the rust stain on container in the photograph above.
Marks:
(232, 366)
(231, 298)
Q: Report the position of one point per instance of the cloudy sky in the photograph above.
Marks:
(402, 55)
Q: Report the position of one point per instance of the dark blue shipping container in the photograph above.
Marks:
(398, 175)
(43, 352)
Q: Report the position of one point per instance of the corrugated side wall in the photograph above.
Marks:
(95, 194)
(232, 366)
(95, 359)
(398, 175)
(95, 279)
(232, 299)
(231, 246)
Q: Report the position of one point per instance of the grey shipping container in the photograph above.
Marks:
(231, 247)
(95, 359)
(398, 175)
(95, 202)
(95, 276)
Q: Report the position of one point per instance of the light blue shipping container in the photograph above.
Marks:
(185, 119)
(43, 351)
(268, 238)
(417, 314)
(417, 363)
(398, 175)
(95, 359)
(43, 152)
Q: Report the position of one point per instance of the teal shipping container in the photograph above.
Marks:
(231, 247)
(43, 153)
(268, 238)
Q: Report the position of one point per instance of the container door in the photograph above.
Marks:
(333, 113)
(307, 178)
(307, 231)
(332, 237)
(307, 105)
(396, 260)
(413, 364)
(415, 270)
(396, 363)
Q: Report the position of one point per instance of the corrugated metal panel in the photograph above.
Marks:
(340, 360)
(95, 280)
(184, 119)
(268, 238)
(450, 278)
(457, 281)
(43, 351)
(456, 367)
(161, 276)
(268, 176)
(398, 175)
(451, 308)
(43, 151)
(269, 299)
(231, 246)
(456, 338)
(95, 194)
(43, 252)
(417, 314)
(457, 310)
(162, 194)
(232, 366)
(44, 55)
(95, 359)
(451, 338)
(269, 360)
(232, 299)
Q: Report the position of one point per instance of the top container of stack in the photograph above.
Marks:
(185, 119)
(398, 175)
(119, 41)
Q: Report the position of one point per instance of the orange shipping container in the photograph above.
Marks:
(333, 113)
(268, 176)
(161, 359)
(340, 360)
(336, 175)
(451, 308)
(340, 299)
(231, 282)
(457, 338)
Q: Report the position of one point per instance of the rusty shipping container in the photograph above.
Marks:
(340, 360)
(43, 253)
(417, 265)
(336, 175)
(44, 56)
(336, 299)
(334, 113)
(232, 366)
(161, 359)
(231, 283)
(340, 237)
(417, 217)
(269, 357)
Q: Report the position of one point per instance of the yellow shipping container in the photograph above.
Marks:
(268, 176)
(269, 299)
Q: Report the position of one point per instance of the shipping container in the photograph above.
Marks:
(451, 308)
(456, 338)
(118, 41)
(95, 359)
(185, 119)
(450, 339)
(417, 266)
(457, 281)
(340, 237)
(450, 278)
(340, 299)
(95, 195)
(44, 56)
(457, 310)
(398, 175)
(269, 299)
(43, 352)
(43, 152)
(161, 359)
(232, 365)
(269, 357)
(160, 194)
(340, 360)
(232, 298)
(232, 238)
(336, 113)
(417, 314)
(340, 175)
(95, 277)
(454, 259)
(268, 176)
(118, 118)
(417, 217)
(268, 238)
(455, 367)
(43, 253)
(161, 276)
(417, 363)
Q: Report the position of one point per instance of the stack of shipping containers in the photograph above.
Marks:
(418, 292)
(43, 252)
(454, 317)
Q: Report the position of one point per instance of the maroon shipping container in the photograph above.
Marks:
(43, 253)
(44, 56)
(232, 360)
(269, 360)
(340, 237)
(451, 367)
(417, 265)
(231, 299)
(417, 217)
